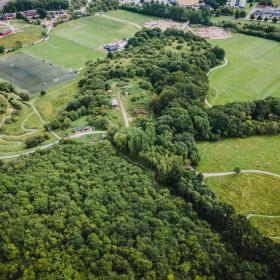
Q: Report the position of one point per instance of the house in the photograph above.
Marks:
(266, 11)
(84, 129)
(8, 16)
(115, 46)
(5, 32)
(237, 3)
(271, 12)
(30, 13)
(111, 47)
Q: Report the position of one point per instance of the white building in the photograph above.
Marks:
(237, 3)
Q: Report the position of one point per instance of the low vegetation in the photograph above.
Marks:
(249, 153)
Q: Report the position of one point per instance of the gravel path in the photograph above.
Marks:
(221, 174)
(211, 70)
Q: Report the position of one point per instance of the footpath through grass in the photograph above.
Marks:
(252, 72)
(251, 194)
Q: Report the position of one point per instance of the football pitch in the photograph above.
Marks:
(252, 72)
(32, 74)
(75, 42)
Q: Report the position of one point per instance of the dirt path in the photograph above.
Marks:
(120, 20)
(211, 70)
(228, 173)
(124, 113)
(190, 29)
(42, 120)
(44, 147)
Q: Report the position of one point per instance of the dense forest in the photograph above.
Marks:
(173, 12)
(175, 65)
(83, 212)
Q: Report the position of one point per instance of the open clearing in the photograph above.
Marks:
(269, 227)
(252, 194)
(75, 42)
(132, 17)
(32, 74)
(259, 152)
(252, 72)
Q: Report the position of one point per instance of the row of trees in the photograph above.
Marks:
(23, 5)
(263, 31)
(173, 12)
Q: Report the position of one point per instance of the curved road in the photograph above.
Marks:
(211, 70)
(221, 174)
(262, 216)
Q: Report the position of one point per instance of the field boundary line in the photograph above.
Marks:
(118, 19)
(228, 173)
(210, 71)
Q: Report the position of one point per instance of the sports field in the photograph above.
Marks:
(32, 74)
(132, 17)
(252, 72)
(258, 152)
(73, 43)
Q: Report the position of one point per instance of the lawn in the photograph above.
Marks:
(56, 99)
(252, 72)
(251, 194)
(132, 17)
(30, 34)
(73, 43)
(269, 227)
(258, 152)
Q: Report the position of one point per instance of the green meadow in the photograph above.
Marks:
(258, 152)
(132, 17)
(252, 72)
(75, 42)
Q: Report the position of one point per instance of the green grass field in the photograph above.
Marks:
(258, 152)
(251, 194)
(132, 17)
(56, 99)
(73, 43)
(30, 34)
(248, 193)
(269, 227)
(252, 72)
